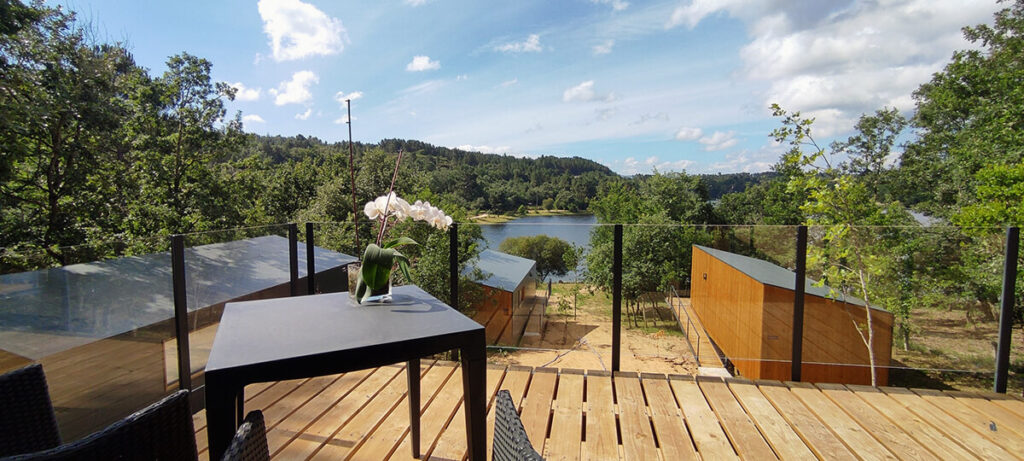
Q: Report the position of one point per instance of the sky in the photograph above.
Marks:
(637, 86)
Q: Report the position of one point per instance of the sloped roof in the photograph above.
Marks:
(770, 274)
(106, 298)
(502, 270)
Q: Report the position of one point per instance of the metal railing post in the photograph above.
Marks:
(617, 298)
(293, 258)
(310, 261)
(1006, 308)
(798, 301)
(180, 311)
(453, 265)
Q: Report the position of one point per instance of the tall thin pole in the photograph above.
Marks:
(617, 298)
(180, 311)
(352, 174)
(1006, 309)
(798, 302)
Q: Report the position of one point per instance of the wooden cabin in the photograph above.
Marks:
(746, 306)
(509, 283)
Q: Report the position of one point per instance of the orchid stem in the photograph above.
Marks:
(387, 203)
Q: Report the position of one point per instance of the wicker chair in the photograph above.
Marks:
(163, 430)
(510, 440)
(250, 442)
(27, 421)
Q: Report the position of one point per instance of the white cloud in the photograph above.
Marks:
(719, 140)
(644, 118)
(243, 93)
(428, 86)
(837, 60)
(604, 47)
(605, 114)
(689, 134)
(508, 83)
(305, 115)
(651, 160)
(341, 96)
(582, 92)
(344, 119)
(617, 5)
(748, 162)
(253, 118)
(297, 30)
(485, 149)
(530, 45)
(415, 2)
(678, 165)
(296, 90)
(461, 77)
(422, 63)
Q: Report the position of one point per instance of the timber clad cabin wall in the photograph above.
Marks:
(753, 325)
(728, 304)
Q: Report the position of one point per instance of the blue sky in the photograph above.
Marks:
(672, 85)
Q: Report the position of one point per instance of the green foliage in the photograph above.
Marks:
(971, 114)
(661, 209)
(553, 255)
(999, 198)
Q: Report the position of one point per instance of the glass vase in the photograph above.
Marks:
(380, 296)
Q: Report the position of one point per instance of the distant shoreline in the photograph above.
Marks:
(487, 218)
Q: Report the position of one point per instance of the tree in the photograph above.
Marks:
(180, 133)
(969, 115)
(60, 103)
(553, 255)
(841, 199)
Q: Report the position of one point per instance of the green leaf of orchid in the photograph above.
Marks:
(399, 242)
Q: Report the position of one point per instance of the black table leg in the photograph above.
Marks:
(413, 375)
(474, 386)
(222, 405)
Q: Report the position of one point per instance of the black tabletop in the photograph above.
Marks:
(269, 330)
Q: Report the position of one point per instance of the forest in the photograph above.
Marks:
(96, 149)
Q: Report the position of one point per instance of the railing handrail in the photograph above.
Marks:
(689, 323)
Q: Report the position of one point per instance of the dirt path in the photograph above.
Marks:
(585, 342)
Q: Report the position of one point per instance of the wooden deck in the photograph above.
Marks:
(571, 414)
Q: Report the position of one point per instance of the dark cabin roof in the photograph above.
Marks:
(502, 270)
(80, 303)
(777, 276)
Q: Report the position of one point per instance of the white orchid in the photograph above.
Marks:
(380, 256)
(386, 206)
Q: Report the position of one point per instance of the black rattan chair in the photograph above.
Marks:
(27, 422)
(250, 442)
(162, 431)
(510, 440)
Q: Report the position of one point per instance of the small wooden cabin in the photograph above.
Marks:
(746, 306)
(507, 281)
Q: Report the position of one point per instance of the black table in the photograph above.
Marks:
(305, 336)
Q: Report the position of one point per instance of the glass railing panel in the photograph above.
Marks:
(230, 265)
(542, 300)
(711, 300)
(97, 317)
(934, 298)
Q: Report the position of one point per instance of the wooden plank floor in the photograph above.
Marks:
(575, 414)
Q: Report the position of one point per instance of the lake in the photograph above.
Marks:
(574, 229)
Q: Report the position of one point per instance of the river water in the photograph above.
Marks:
(574, 229)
